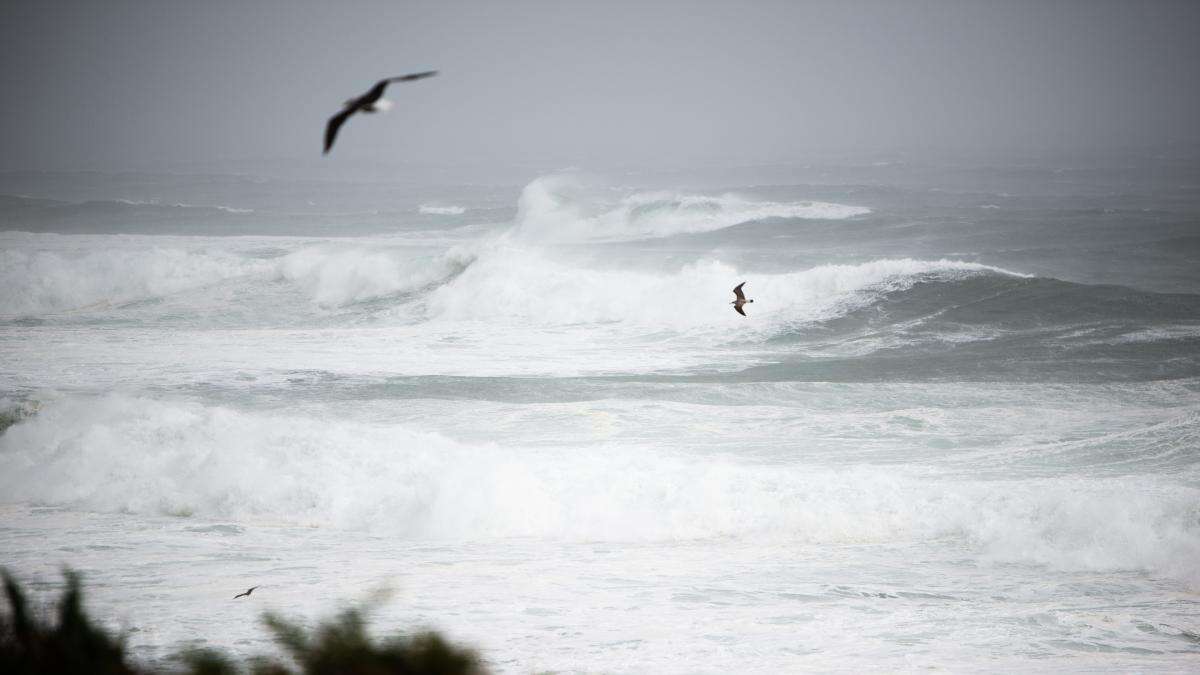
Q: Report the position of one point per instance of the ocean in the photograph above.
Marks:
(958, 429)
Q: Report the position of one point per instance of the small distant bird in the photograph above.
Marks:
(741, 299)
(247, 593)
(370, 102)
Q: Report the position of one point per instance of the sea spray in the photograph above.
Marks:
(563, 207)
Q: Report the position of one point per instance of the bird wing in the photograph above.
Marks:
(240, 595)
(335, 123)
(738, 309)
(377, 90)
(412, 76)
(737, 290)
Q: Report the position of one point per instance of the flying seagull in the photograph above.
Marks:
(741, 299)
(370, 102)
(247, 593)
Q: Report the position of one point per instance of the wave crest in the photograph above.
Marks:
(145, 456)
(80, 278)
(39, 282)
(333, 276)
(513, 284)
(561, 208)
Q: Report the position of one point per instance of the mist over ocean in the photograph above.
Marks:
(958, 428)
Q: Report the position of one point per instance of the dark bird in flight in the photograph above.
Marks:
(741, 299)
(247, 593)
(370, 102)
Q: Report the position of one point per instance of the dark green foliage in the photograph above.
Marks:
(207, 662)
(343, 646)
(29, 644)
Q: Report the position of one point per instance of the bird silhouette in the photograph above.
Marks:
(741, 299)
(247, 593)
(370, 102)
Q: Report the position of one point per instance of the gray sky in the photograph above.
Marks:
(119, 84)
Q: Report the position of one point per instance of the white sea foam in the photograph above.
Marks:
(333, 276)
(442, 210)
(562, 207)
(40, 281)
(1163, 333)
(219, 207)
(143, 456)
(517, 284)
(50, 275)
(155, 202)
(587, 438)
(505, 280)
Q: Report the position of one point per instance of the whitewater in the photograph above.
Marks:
(959, 429)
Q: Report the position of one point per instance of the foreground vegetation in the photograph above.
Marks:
(69, 642)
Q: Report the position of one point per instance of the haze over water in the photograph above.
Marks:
(957, 428)
(483, 353)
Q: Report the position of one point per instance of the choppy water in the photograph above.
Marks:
(960, 427)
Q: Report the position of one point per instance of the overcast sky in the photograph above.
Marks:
(109, 84)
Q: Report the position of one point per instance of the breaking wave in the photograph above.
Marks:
(341, 276)
(562, 208)
(143, 456)
(38, 282)
(80, 278)
(522, 285)
(482, 282)
(504, 282)
(519, 278)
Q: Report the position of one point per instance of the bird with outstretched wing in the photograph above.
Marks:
(368, 103)
(740, 299)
